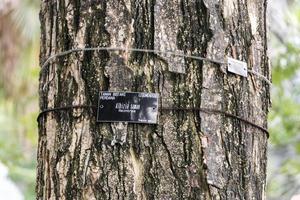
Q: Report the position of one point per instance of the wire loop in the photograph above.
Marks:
(195, 57)
(206, 110)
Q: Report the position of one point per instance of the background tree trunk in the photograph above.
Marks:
(188, 155)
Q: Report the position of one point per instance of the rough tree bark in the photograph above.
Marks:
(188, 155)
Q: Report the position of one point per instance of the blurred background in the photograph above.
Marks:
(19, 70)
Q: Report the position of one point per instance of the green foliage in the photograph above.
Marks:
(18, 127)
(286, 64)
(16, 149)
(284, 118)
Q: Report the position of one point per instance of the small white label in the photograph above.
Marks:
(237, 67)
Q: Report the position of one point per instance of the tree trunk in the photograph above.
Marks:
(189, 154)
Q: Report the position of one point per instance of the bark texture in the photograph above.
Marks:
(188, 155)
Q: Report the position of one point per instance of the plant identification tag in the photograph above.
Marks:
(237, 67)
(131, 107)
